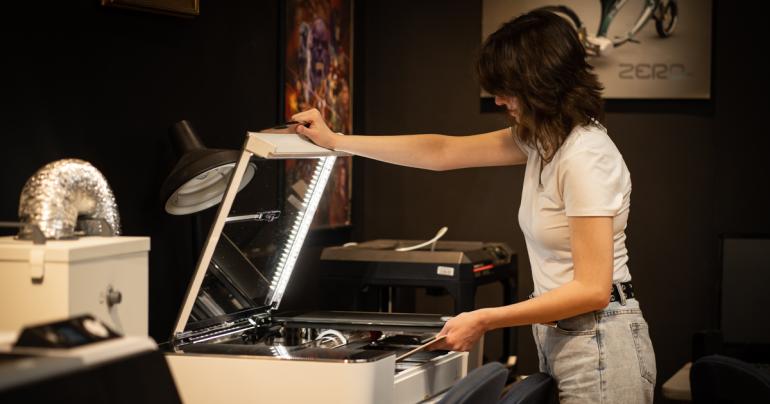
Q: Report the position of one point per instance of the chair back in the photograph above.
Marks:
(538, 388)
(482, 385)
(719, 379)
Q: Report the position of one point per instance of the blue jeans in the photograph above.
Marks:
(600, 357)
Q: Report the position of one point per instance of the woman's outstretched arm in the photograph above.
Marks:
(428, 151)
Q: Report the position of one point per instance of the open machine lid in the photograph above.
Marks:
(258, 232)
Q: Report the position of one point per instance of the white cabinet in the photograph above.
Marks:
(103, 276)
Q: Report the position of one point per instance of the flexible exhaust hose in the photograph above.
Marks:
(58, 193)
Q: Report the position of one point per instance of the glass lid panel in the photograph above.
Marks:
(260, 241)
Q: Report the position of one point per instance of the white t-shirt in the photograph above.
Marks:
(586, 177)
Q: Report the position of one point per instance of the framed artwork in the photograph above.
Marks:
(318, 73)
(184, 8)
(641, 49)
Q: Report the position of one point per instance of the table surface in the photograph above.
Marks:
(678, 386)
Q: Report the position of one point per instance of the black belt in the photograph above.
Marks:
(624, 289)
(621, 292)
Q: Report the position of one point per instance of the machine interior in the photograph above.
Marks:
(258, 245)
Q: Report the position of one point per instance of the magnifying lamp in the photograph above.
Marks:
(200, 177)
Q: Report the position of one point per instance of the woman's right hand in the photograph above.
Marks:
(318, 132)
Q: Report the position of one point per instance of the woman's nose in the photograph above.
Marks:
(499, 100)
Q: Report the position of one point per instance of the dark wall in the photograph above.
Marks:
(698, 168)
(80, 80)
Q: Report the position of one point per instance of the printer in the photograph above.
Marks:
(232, 344)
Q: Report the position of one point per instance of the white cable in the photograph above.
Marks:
(435, 238)
(330, 335)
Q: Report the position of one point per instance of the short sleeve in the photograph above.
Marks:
(593, 182)
(524, 148)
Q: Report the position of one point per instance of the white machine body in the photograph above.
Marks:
(103, 276)
(246, 379)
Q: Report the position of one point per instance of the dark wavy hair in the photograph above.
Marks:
(538, 58)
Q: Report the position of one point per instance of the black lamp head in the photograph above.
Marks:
(200, 177)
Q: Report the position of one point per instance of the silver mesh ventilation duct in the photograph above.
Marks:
(57, 194)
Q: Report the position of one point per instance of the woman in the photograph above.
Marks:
(588, 328)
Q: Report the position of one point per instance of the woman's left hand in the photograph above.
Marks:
(462, 331)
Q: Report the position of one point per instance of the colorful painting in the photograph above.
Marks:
(319, 74)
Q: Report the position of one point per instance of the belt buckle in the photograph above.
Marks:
(621, 292)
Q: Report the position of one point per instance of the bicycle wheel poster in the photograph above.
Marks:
(641, 49)
(318, 71)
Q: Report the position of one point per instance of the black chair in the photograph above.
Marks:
(538, 388)
(481, 385)
(722, 379)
